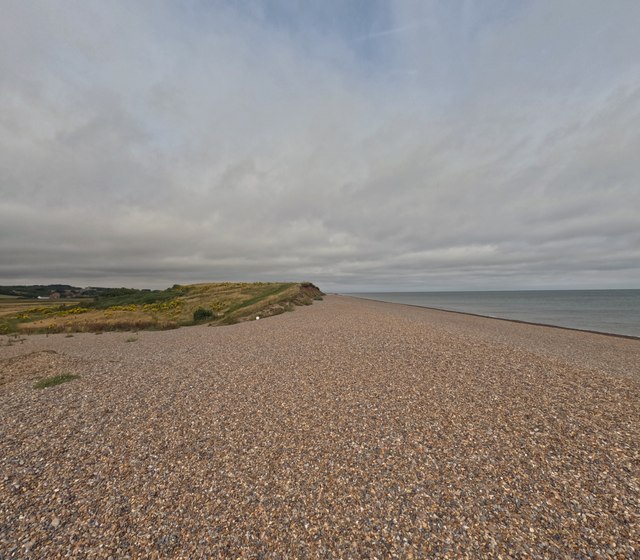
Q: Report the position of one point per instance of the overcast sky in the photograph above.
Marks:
(362, 145)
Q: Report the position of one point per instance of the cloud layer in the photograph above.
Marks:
(361, 145)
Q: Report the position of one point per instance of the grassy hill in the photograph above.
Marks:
(129, 309)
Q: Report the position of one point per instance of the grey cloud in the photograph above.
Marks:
(150, 146)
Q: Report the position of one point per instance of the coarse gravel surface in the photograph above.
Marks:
(347, 429)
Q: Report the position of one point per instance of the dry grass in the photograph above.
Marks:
(15, 311)
(227, 302)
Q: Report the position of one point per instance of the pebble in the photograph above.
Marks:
(346, 429)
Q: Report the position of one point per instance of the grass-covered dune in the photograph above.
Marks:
(130, 309)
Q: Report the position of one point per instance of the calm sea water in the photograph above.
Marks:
(610, 311)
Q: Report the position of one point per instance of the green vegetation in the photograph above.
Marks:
(264, 293)
(125, 309)
(202, 314)
(36, 291)
(129, 296)
(55, 380)
(62, 291)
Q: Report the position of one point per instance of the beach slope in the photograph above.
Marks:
(349, 428)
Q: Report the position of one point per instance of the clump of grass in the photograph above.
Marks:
(202, 314)
(131, 339)
(55, 380)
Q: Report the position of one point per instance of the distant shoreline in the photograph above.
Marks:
(520, 321)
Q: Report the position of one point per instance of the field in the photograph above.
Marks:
(16, 311)
(125, 309)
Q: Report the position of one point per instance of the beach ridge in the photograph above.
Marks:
(349, 428)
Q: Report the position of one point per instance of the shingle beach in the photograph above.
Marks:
(346, 429)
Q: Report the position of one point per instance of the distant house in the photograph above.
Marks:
(54, 295)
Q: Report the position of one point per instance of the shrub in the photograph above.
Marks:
(55, 380)
(129, 296)
(202, 314)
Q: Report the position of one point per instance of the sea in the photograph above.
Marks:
(607, 311)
